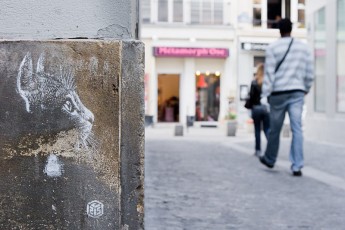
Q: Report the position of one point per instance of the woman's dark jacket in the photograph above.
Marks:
(255, 93)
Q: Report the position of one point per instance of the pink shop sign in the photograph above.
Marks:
(190, 52)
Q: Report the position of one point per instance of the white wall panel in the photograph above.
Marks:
(67, 19)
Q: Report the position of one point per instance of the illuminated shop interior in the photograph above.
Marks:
(207, 98)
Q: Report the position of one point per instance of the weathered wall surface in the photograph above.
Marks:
(132, 134)
(68, 19)
(71, 141)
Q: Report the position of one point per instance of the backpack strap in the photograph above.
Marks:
(277, 67)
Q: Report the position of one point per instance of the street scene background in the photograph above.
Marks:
(206, 180)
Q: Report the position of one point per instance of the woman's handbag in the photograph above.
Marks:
(248, 104)
(249, 101)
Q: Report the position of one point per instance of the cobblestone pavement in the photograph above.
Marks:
(205, 180)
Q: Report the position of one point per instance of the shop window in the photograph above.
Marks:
(274, 12)
(145, 10)
(301, 13)
(286, 11)
(162, 10)
(207, 97)
(320, 60)
(206, 12)
(341, 56)
(178, 10)
(195, 12)
(256, 12)
(170, 10)
(218, 12)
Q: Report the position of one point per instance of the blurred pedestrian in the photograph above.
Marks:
(260, 113)
(288, 78)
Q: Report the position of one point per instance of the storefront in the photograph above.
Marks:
(190, 82)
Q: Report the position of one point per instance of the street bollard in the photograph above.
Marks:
(231, 127)
(190, 121)
(72, 134)
(179, 130)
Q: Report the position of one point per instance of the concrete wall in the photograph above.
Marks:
(69, 19)
(325, 126)
(72, 140)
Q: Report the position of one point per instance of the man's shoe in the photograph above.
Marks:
(297, 173)
(264, 162)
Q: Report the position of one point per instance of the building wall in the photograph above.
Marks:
(236, 70)
(326, 125)
(68, 19)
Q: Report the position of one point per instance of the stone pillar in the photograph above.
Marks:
(71, 115)
(72, 134)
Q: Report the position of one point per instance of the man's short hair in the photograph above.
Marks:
(285, 26)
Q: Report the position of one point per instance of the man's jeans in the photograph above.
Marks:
(279, 105)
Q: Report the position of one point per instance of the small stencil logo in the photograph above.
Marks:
(95, 209)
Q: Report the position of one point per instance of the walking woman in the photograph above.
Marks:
(260, 114)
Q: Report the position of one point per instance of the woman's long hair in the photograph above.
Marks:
(259, 76)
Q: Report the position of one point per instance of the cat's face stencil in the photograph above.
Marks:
(53, 98)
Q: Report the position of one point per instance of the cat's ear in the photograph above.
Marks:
(24, 79)
(40, 67)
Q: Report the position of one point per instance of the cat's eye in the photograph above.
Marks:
(68, 106)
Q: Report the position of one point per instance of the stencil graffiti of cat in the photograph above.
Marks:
(53, 103)
(51, 166)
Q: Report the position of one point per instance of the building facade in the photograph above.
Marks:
(201, 55)
(326, 33)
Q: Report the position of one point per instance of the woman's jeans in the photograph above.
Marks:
(260, 117)
(279, 105)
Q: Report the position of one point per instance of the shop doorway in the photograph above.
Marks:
(207, 96)
(168, 98)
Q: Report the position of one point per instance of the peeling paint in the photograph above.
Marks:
(64, 19)
(115, 30)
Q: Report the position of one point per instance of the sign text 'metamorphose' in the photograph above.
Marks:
(190, 52)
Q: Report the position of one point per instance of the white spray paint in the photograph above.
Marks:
(53, 167)
(25, 68)
(38, 87)
(95, 209)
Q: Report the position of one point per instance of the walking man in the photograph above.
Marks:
(288, 78)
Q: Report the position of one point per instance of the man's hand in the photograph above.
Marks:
(264, 102)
